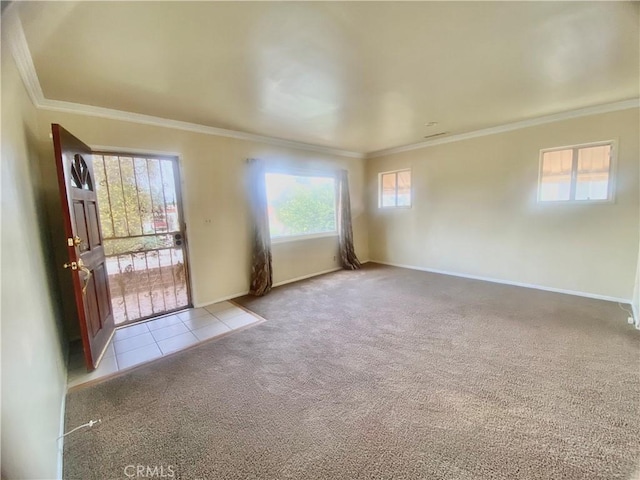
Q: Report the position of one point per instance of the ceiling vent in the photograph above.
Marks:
(436, 134)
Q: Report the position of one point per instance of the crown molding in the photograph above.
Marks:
(19, 48)
(93, 111)
(24, 61)
(20, 51)
(132, 151)
(582, 112)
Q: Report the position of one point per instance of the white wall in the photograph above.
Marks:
(33, 370)
(215, 198)
(475, 211)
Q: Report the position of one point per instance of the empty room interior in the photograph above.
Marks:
(320, 240)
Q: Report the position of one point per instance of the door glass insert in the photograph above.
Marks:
(80, 175)
(140, 215)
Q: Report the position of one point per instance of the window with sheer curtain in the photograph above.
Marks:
(582, 173)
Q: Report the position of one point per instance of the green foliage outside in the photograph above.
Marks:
(132, 194)
(305, 209)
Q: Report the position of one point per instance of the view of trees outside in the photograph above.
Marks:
(300, 205)
(139, 215)
(136, 197)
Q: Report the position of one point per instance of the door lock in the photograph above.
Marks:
(178, 240)
(75, 265)
(74, 242)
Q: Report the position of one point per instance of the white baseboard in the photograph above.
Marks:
(509, 282)
(284, 282)
(636, 318)
(304, 277)
(60, 441)
(220, 299)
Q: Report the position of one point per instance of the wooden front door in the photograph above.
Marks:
(86, 263)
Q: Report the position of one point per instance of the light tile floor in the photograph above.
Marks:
(144, 342)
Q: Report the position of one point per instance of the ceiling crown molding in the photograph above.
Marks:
(582, 112)
(24, 61)
(19, 48)
(20, 51)
(92, 111)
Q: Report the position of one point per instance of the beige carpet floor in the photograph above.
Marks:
(383, 373)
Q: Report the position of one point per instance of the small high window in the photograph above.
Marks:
(394, 189)
(580, 173)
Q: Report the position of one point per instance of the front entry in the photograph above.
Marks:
(144, 235)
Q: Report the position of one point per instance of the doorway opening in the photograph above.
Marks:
(141, 216)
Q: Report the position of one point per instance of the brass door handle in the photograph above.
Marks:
(88, 274)
(79, 265)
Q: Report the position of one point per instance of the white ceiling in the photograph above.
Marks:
(358, 76)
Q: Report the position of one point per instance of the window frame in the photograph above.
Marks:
(386, 207)
(574, 173)
(294, 172)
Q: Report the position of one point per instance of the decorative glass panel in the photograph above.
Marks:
(80, 174)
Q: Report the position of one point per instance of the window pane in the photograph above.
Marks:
(404, 189)
(389, 190)
(300, 205)
(593, 173)
(555, 179)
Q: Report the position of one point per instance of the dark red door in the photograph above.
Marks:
(84, 243)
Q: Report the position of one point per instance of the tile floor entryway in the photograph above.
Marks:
(147, 341)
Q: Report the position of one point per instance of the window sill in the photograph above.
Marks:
(297, 238)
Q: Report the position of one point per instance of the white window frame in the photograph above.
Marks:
(385, 207)
(574, 173)
(306, 173)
